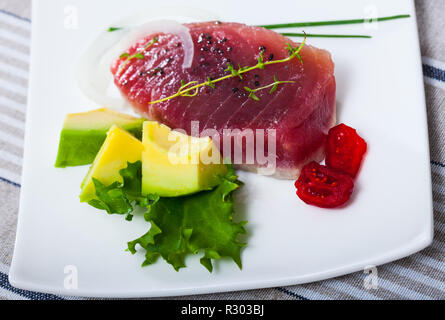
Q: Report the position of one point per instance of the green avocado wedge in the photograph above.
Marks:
(84, 133)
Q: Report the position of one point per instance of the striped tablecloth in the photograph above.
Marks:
(420, 276)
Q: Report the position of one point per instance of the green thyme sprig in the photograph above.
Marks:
(274, 86)
(191, 88)
(138, 55)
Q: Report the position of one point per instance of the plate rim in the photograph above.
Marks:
(416, 245)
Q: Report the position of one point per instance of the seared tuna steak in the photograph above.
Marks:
(301, 112)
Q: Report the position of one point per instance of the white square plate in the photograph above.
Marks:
(380, 92)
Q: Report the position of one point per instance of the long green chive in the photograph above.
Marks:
(331, 22)
(316, 35)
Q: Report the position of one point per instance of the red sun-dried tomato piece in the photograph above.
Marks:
(323, 187)
(345, 149)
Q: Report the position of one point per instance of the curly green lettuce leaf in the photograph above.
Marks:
(118, 198)
(111, 198)
(132, 180)
(187, 225)
(179, 226)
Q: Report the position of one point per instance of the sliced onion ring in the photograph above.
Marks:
(161, 26)
(93, 73)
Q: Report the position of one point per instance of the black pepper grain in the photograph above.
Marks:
(271, 57)
(157, 71)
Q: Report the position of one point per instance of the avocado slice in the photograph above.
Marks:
(84, 133)
(119, 148)
(175, 164)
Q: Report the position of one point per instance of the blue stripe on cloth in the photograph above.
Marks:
(4, 283)
(14, 15)
(15, 184)
(291, 293)
(433, 72)
(438, 164)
